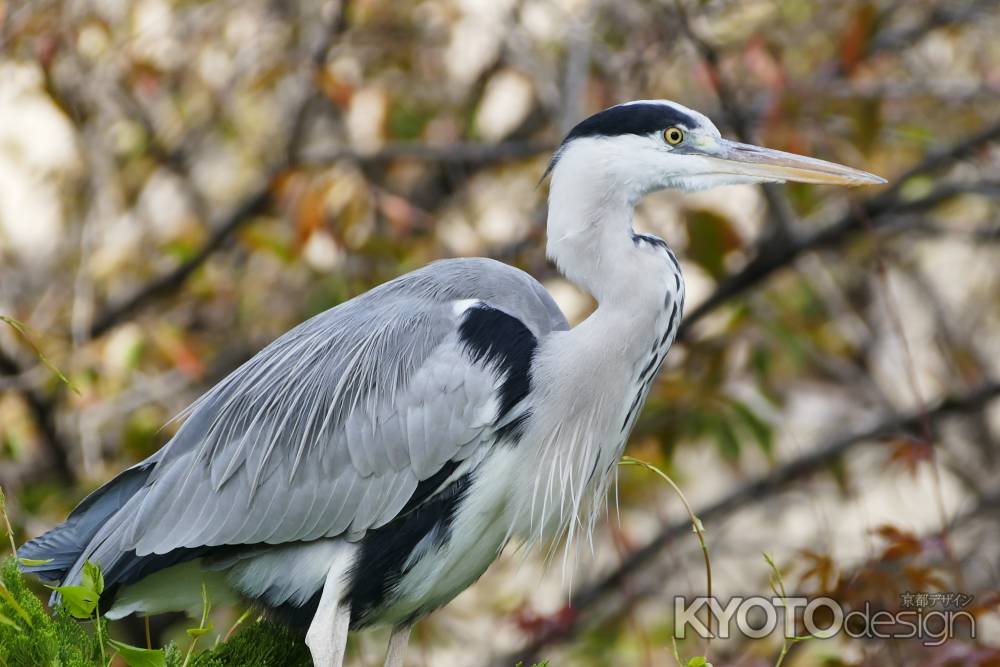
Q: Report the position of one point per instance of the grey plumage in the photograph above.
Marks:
(329, 429)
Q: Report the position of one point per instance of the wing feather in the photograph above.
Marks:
(329, 430)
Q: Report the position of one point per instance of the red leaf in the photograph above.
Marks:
(910, 453)
(854, 41)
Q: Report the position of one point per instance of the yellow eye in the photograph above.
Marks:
(673, 135)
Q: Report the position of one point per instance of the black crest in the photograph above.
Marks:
(641, 118)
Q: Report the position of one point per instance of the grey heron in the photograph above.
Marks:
(371, 463)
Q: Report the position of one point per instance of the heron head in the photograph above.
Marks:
(653, 144)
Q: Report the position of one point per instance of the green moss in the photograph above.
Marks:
(31, 637)
(261, 644)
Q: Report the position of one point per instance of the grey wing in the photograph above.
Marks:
(329, 430)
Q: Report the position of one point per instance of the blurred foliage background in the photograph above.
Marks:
(182, 181)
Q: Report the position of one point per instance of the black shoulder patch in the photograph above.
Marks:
(428, 487)
(514, 429)
(385, 551)
(494, 337)
(640, 119)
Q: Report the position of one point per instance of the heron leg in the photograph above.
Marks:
(398, 641)
(327, 634)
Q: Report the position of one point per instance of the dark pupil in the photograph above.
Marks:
(674, 135)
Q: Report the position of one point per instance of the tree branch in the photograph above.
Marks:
(780, 254)
(780, 238)
(781, 215)
(944, 157)
(752, 492)
(941, 16)
(43, 408)
(251, 205)
(461, 153)
(258, 201)
(44, 417)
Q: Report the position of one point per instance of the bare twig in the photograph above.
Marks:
(579, 43)
(336, 25)
(696, 525)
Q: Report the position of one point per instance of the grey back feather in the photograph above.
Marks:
(329, 429)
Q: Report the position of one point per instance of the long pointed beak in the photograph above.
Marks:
(733, 157)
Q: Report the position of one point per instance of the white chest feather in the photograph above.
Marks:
(590, 384)
(438, 570)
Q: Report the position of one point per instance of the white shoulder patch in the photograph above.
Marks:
(460, 306)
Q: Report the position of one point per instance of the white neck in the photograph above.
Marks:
(589, 230)
(589, 382)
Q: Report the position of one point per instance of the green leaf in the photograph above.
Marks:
(198, 632)
(139, 657)
(34, 561)
(7, 620)
(20, 328)
(79, 601)
(916, 187)
(92, 578)
(12, 602)
(726, 440)
(407, 121)
(758, 428)
(697, 661)
(711, 238)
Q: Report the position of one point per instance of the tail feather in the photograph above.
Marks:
(62, 547)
